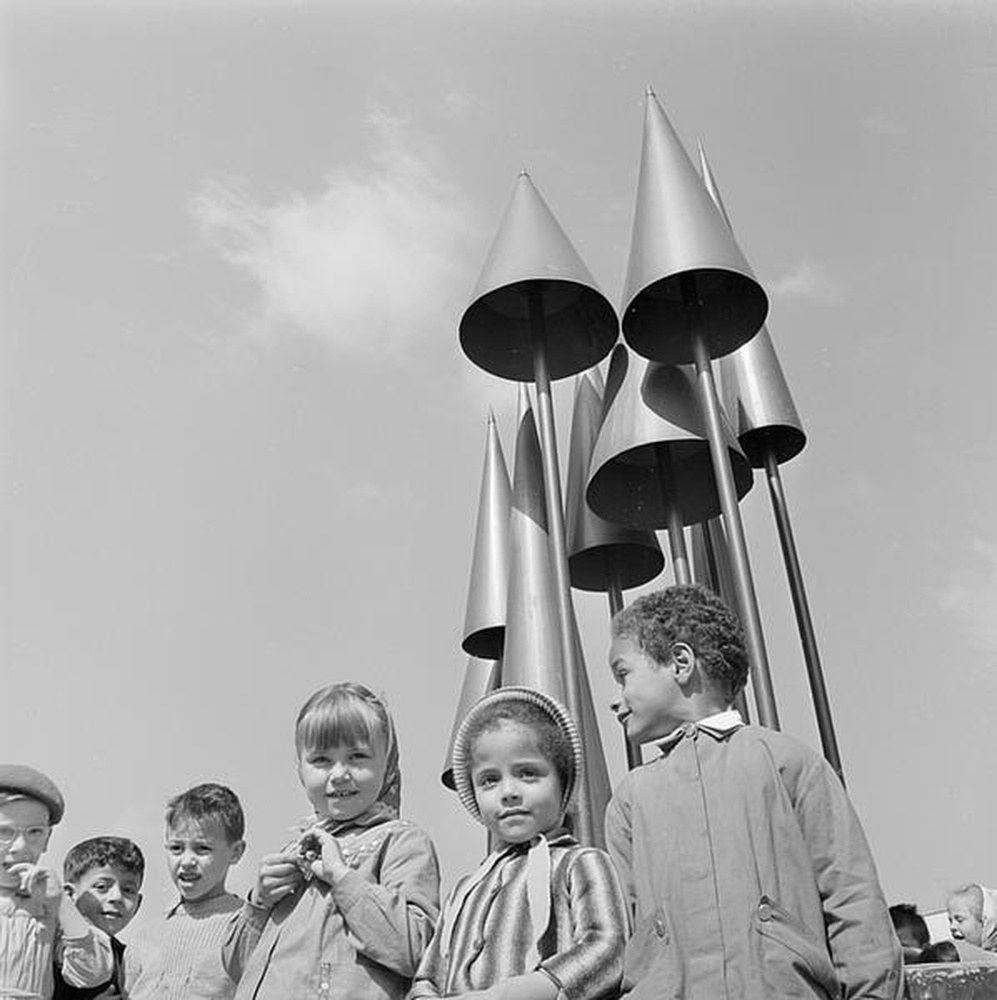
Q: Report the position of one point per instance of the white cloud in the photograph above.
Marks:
(971, 595)
(372, 265)
(806, 280)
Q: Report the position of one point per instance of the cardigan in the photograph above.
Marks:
(181, 958)
(581, 949)
(360, 939)
(749, 874)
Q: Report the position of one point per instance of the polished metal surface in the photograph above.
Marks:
(532, 655)
(602, 555)
(651, 456)
(752, 385)
(484, 619)
(682, 246)
(481, 676)
(531, 258)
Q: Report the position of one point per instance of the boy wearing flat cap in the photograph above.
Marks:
(38, 921)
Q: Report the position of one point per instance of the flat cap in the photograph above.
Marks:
(20, 780)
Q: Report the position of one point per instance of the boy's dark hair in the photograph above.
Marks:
(100, 851)
(941, 951)
(554, 744)
(694, 615)
(906, 915)
(208, 801)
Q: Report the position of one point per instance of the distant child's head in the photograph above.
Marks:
(941, 951)
(204, 831)
(347, 754)
(104, 877)
(678, 655)
(912, 931)
(30, 805)
(973, 915)
(516, 758)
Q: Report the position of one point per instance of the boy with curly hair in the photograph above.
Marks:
(740, 854)
(103, 877)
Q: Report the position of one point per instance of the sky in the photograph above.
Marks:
(241, 447)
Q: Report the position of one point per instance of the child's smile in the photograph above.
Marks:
(342, 782)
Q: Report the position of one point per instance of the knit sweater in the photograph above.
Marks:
(180, 958)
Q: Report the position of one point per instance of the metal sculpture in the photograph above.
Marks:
(690, 295)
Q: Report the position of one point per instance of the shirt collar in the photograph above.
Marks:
(719, 725)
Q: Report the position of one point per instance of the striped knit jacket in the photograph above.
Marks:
(581, 949)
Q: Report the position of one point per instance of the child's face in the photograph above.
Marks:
(650, 697)
(964, 924)
(342, 782)
(108, 896)
(199, 856)
(517, 788)
(24, 835)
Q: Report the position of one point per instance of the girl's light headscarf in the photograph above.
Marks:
(344, 713)
(989, 940)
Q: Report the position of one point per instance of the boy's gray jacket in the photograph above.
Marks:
(749, 875)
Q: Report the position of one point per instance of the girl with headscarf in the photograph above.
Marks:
(346, 909)
(973, 915)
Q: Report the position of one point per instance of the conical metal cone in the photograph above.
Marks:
(652, 452)
(532, 655)
(754, 390)
(484, 620)
(480, 677)
(759, 402)
(601, 554)
(686, 272)
(531, 255)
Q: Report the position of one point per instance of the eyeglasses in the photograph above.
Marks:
(34, 836)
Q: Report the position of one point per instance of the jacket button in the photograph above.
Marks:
(764, 912)
(659, 927)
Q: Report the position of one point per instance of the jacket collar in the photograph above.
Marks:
(718, 725)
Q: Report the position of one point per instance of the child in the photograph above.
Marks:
(973, 916)
(345, 911)
(103, 876)
(542, 917)
(40, 929)
(739, 851)
(180, 957)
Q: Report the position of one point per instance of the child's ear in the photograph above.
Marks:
(69, 889)
(238, 848)
(685, 661)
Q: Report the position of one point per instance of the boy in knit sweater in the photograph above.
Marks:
(743, 860)
(180, 957)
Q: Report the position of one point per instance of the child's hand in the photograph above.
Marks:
(328, 863)
(36, 881)
(278, 876)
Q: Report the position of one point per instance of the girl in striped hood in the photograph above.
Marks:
(542, 917)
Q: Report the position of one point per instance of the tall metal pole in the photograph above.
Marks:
(801, 606)
(615, 594)
(555, 518)
(762, 679)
